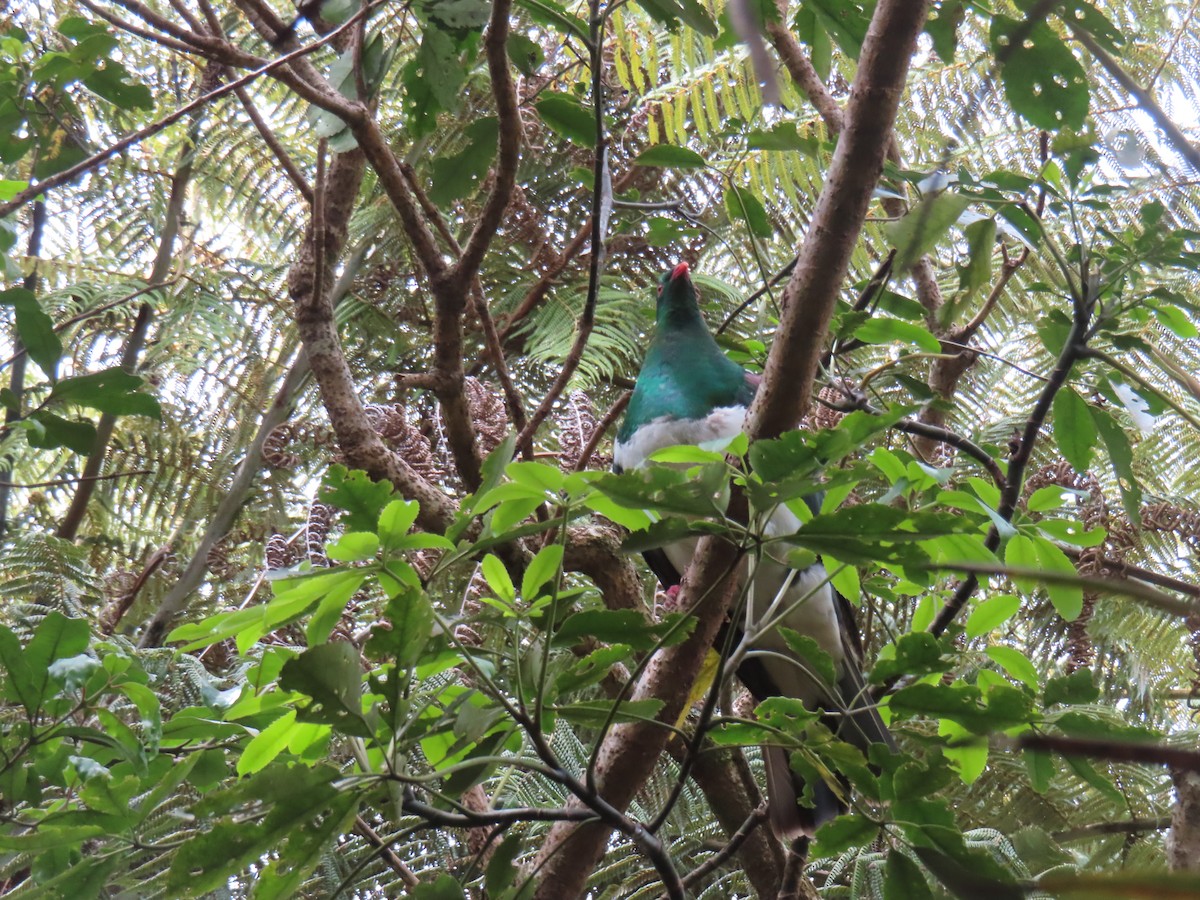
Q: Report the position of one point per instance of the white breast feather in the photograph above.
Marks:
(814, 616)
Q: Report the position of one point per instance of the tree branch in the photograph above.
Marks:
(1100, 829)
(99, 158)
(1145, 752)
(172, 220)
(285, 160)
(811, 293)
(1073, 349)
(1146, 101)
(601, 194)
(358, 440)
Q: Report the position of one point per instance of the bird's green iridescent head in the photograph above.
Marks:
(684, 375)
(677, 304)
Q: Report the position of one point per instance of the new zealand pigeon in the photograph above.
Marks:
(689, 392)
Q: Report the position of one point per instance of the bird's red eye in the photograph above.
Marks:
(660, 290)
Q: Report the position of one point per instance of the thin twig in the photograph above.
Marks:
(1073, 349)
(102, 156)
(386, 853)
(925, 429)
(61, 481)
(1100, 829)
(731, 847)
(601, 428)
(273, 144)
(1178, 139)
(1123, 586)
(587, 318)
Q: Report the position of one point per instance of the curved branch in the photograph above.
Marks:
(811, 293)
(508, 150)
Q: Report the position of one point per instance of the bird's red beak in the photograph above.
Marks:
(680, 271)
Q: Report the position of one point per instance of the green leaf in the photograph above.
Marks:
(962, 703)
(362, 499)
(621, 626)
(526, 55)
(672, 12)
(498, 579)
(329, 610)
(742, 205)
(969, 753)
(981, 241)
(354, 546)
(444, 888)
(592, 668)
(884, 330)
(568, 118)
(1070, 532)
(410, 615)
(991, 614)
(395, 521)
(433, 80)
(1121, 455)
(555, 15)
(290, 797)
(57, 637)
(782, 137)
(903, 878)
(500, 870)
(35, 328)
(456, 16)
(1042, 79)
(45, 838)
(817, 660)
(302, 851)
(942, 28)
(1074, 428)
(1039, 766)
(112, 391)
(267, 744)
(1038, 553)
(21, 684)
(842, 833)
(845, 21)
(460, 175)
(924, 226)
(669, 156)
(1078, 687)
(915, 653)
(46, 431)
(541, 569)
(331, 675)
(1015, 663)
(594, 713)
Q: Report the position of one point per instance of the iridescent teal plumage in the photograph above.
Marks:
(685, 375)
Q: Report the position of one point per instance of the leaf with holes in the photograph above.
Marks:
(1042, 78)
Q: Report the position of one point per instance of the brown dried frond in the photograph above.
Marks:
(820, 414)
(1168, 517)
(275, 452)
(488, 413)
(316, 530)
(280, 554)
(576, 425)
(219, 562)
(391, 422)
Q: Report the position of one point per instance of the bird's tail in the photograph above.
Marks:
(792, 823)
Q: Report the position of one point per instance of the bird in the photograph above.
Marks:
(689, 392)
